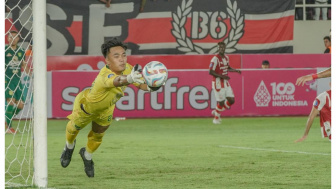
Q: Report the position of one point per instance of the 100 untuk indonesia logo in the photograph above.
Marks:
(282, 95)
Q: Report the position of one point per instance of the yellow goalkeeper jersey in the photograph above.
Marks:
(103, 94)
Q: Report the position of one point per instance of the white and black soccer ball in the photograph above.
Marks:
(155, 74)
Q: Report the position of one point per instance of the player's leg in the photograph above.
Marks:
(325, 13)
(225, 98)
(9, 114)
(95, 138)
(20, 97)
(78, 119)
(11, 102)
(19, 107)
(220, 97)
(99, 125)
(217, 112)
(230, 100)
(326, 129)
(317, 13)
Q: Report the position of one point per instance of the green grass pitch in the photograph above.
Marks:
(249, 153)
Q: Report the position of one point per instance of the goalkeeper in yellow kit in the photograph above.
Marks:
(97, 103)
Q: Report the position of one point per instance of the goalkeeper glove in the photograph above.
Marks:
(135, 76)
(152, 89)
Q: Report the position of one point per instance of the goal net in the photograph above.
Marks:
(19, 103)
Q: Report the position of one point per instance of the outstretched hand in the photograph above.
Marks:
(135, 76)
(301, 139)
(302, 80)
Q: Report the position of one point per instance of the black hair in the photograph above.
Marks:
(13, 31)
(327, 37)
(114, 42)
(221, 43)
(265, 62)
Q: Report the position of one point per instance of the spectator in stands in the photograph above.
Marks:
(299, 10)
(265, 64)
(29, 51)
(309, 10)
(7, 9)
(107, 2)
(142, 5)
(318, 9)
(327, 44)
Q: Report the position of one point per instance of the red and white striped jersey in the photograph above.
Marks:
(323, 104)
(220, 66)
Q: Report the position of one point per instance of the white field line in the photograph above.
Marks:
(273, 150)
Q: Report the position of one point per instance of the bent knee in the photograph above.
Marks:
(231, 100)
(98, 128)
(221, 103)
(20, 105)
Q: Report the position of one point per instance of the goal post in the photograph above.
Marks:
(40, 93)
(25, 101)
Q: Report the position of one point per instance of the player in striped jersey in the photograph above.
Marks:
(322, 105)
(219, 68)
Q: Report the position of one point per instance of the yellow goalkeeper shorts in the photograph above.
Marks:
(81, 118)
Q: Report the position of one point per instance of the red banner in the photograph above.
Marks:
(188, 94)
(162, 27)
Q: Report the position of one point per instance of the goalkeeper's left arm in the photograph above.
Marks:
(134, 77)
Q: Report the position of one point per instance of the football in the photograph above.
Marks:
(155, 74)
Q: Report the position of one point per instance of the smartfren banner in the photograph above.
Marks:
(188, 93)
(162, 26)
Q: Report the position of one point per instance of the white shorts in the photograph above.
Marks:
(222, 93)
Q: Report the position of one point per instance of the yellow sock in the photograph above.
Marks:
(94, 141)
(71, 132)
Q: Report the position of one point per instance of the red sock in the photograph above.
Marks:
(227, 105)
(219, 110)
